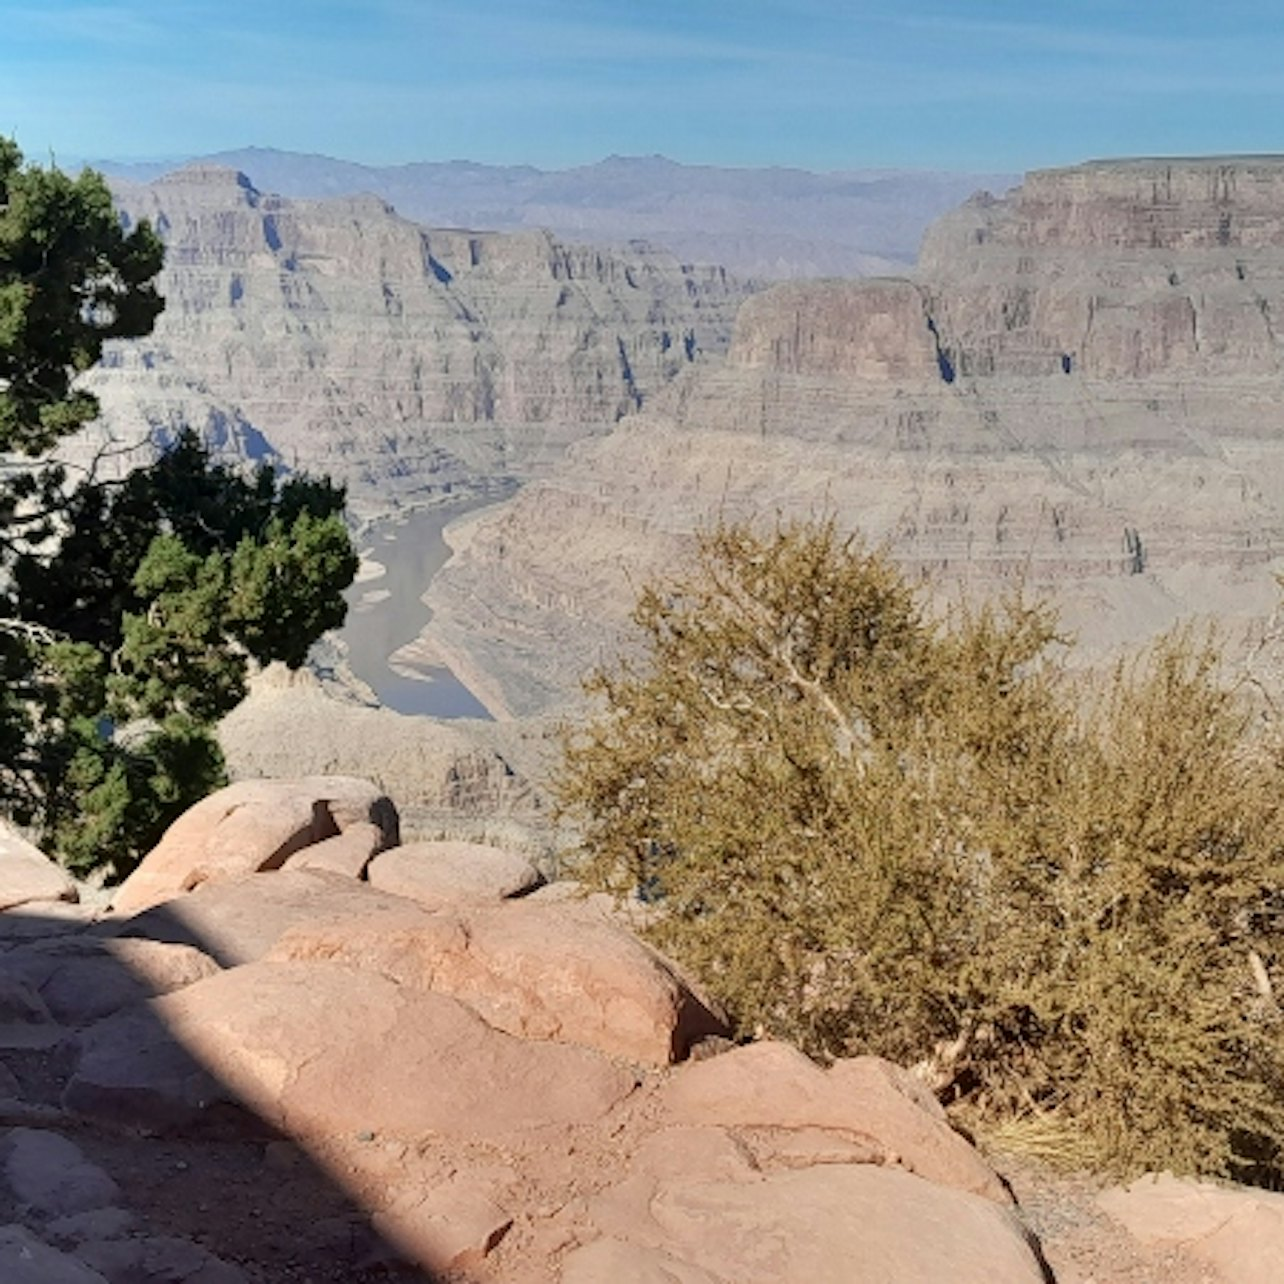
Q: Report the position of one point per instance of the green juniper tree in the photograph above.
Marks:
(129, 609)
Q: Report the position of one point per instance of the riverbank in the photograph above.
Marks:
(387, 615)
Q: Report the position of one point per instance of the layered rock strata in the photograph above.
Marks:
(409, 363)
(1079, 389)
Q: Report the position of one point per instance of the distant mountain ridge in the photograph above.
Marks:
(773, 224)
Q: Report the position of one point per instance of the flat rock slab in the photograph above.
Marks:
(51, 1176)
(549, 972)
(835, 1224)
(452, 1227)
(25, 1020)
(1236, 1232)
(240, 921)
(36, 921)
(442, 874)
(159, 1260)
(317, 1049)
(82, 979)
(792, 1103)
(24, 1259)
(132, 1072)
(27, 875)
(250, 826)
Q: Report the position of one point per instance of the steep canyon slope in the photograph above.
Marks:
(770, 223)
(411, 363)
(1079, 388)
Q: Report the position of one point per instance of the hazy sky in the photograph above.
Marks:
(966, 84)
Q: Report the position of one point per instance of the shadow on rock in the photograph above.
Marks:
(126, 1156)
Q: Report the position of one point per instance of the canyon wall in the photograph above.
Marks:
(770, 223)
(1079, 389)
(338, 337)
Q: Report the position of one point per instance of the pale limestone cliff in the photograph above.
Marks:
(336, 336)
(1079, 389)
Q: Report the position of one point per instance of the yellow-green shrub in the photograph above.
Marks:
(871, 829)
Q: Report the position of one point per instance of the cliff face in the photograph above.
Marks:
(1080, 388)
(1125, 270)
(342, 338)
(762, 223)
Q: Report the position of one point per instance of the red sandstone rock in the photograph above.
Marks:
(27, 875)
(447, 873)
(249, 826)
(1235, 1233)
(84, 978)
(347, 853)
(316, 1049)
(549, 972)
(239, 921)
(789, 1104)
(833, 1224)
(452, 1227)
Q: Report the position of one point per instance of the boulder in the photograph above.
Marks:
(27, 875)
(313, 1049)
(92, 1225)
(442, 874)
(1236, 1233)
(794, 1113)
(550, 972)
(38, 921)
(834, 1224)
(24, 1259)
(158, 1260)
(239, 921)
(346, 853)
(250, 826)
(25, 1021)
(84, 978)
(133, 1072)
(50, 1175)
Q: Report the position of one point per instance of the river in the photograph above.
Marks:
(386, 610)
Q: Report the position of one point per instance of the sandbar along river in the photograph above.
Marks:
(385, 611)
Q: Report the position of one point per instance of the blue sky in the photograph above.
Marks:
(961, 84)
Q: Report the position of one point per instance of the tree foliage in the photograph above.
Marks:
(70, 278)
(873, 828)
(131, 608)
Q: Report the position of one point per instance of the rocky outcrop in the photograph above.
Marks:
(27, 875)
(255, 825)
(409, 363)
(1236, 1235)
(267, 1038)
(446, 873)
(1076, 390)
(295, 1075)
(828, 1224)
(551, 972)
(82, 979)
(864, 1110)
(469, 781)
(489, 1083)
